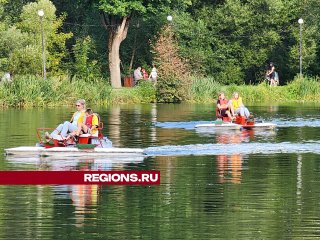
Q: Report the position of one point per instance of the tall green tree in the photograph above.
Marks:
(116, 16)
(20, 44)
(234, 40)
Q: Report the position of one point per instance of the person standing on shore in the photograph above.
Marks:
(271, 75)
(153, 75)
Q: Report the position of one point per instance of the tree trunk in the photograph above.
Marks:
(114, 61)
(117, 33)
(134, 47)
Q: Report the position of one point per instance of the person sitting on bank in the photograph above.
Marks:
(89, 127)
(224, 107)
(137, 74)
(239, 108)
(145, 74)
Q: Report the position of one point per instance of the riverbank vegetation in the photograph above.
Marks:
(208, 46)
(28, 91)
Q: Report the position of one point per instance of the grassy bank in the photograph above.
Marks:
(26, 91)
(35, 91)
(300, 89)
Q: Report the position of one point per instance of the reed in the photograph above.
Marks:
(35, 91)
(204, 89)
(301, 89)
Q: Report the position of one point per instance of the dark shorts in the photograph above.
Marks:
(85, 132)
(223, 113)
(272, 75)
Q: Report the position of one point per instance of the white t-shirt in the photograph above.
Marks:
(153, 74)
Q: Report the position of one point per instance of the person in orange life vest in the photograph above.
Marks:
(223, 105)
(145, 74)
(89, 127)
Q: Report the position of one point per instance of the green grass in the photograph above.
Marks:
(27, 91)
(301, 89)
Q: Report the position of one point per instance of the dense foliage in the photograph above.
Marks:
(229, 41)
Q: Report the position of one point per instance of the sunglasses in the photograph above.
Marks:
(78, 105)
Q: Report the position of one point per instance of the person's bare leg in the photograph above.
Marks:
(70, 135)
(79, 129)
(231, 109)
(229, 115)
(85, 128)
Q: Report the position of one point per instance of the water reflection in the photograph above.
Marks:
(229, 168)
(214, 185)
(85, 198)
(299, 183)
(132, 125)
(78, 164)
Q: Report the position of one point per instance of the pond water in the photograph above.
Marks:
(214, 184)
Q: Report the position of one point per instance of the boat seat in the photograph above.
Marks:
(219, 116)
(88, 135)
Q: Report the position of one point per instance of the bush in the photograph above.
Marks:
(173, 73)
(36, 91)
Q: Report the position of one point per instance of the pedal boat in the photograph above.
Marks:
(240, 122)
(220, 124)
(87, 146)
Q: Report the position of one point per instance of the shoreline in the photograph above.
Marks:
(34, 91)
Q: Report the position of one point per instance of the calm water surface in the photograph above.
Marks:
(214, 184)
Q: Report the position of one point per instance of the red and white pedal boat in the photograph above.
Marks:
(88, 145)
(240, 122)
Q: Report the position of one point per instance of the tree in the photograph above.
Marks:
(54, 40)
(116, 16)
(174, 82)
(20, 44)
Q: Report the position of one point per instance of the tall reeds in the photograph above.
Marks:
(307, 88)
(36, 91)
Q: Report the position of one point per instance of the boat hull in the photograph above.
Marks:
(73, 152)
(234, 126)
(267, 126)
(224, 125)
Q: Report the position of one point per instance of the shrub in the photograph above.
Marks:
(173, 73)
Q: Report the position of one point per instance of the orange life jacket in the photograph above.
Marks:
(223, 101)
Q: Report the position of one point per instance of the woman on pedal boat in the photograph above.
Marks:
(239, 108)
(224, 107)
(77, 119)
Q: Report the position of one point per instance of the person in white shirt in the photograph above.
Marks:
(137, 75)
(153, 76)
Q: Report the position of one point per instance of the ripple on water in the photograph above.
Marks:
(239, 148)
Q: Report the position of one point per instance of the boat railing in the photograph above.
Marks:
(56, 141)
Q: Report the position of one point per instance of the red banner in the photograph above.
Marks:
(79, 177)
